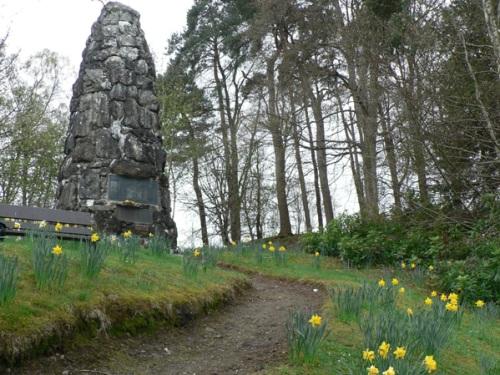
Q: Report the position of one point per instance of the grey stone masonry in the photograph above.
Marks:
(114, 146)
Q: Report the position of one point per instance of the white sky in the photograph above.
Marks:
(63, 26)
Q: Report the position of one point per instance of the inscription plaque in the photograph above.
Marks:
(122, 188)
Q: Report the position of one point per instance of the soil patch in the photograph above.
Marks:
(246, 337)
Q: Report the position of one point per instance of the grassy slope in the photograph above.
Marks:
(460, 357)
(122, 289)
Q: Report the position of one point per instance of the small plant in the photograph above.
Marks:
(305, 331)
(317, 260)
(93, 255)
(209, 257)
(280, 256)
(191, 262)
(129, 246)
(8, 278)
(49, 263)
(259, 254)
(158, 245)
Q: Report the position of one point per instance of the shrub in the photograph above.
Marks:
(8, 278)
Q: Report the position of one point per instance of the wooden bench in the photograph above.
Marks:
(18, 220)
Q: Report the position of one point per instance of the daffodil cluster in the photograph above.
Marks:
(390, 359)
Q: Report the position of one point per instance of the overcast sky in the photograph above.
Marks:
(63, 26)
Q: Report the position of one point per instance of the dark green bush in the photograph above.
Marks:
(464, 250)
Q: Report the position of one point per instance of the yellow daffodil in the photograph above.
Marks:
(409, 311)
(400, 352)
(403, 265)
(57, 250)
(430, 363)
(264, 246)
(453, 297)
(381, 283)
(480, 304)
(315, 320)
(58, 227)
(95, 237)
(151, 235)
(401, 290)
(42, 224)
(368, 355)
(389, 371)
(413, 265)
(428, 301)
(451, 307)
(17, 225)
(272, 249)
(372, 370)
(127, 234)
(282, 249)
(431, 268)
(383, 349)
(269, 243)
(395, 282)
(434, 293)
(197, 252)
(316, 254)
(443, 297)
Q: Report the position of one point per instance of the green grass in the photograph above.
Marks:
(472, 340)
(151, 288)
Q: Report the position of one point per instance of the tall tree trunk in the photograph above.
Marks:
(390, 153)
(317, 190)
(370, 147)
(413, 100)
(230, 152)
(199, 201)
(279, 152)
(353, 156)
(258, 215)
(298, 160)
(321, 150)
(365, 106)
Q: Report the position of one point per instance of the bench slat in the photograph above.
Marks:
(83, 231)
(49, 215)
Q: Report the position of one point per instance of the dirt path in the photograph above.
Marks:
(243, 338)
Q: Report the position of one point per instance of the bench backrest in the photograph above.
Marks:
(47, 214)
(75, 224)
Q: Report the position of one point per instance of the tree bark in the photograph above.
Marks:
(390, 154)
(230, 152)
(353, 158)
(279, 152)
(319, 209)
(321, 151)
(298, 161)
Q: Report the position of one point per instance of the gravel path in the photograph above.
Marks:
(245, 337)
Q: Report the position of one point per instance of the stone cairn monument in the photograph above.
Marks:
(114, 159)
